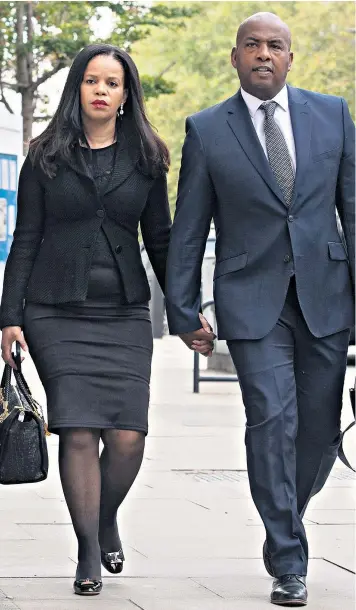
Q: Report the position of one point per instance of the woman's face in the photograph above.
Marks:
(102, 90)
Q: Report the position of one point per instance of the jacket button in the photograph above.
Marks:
(100, 213)
(290, 218)
(287, 258)
(118, 249)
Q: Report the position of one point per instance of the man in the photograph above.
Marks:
(271, 166)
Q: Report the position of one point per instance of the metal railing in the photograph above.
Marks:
(197, 377)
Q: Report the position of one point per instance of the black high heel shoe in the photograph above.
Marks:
(87, 586)
(113, 562)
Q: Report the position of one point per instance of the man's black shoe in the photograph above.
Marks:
(267, 560)
(289, 590)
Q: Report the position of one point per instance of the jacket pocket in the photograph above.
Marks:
(229, 265)
(337, 251)
(333, 152)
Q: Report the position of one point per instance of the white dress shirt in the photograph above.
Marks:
(281, 116)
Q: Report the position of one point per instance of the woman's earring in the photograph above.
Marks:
(121, 109)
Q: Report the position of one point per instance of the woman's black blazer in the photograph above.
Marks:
(57, 224)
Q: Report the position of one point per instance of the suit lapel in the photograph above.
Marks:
(241, 124)
(124, 162)
(301, 124)
(78, 164)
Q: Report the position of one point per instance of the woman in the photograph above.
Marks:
(96, 172)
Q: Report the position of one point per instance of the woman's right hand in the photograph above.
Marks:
(10, 334)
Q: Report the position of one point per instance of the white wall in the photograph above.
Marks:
(10, 134)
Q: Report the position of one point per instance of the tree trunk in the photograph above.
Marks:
(21, 64)
(27, 115)
(24, 66)
(28, 97)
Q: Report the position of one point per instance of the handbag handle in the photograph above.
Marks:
(341, 452)
(8, 372)
(17, 356)
(6, 382)
(18, 374)
(23, 393)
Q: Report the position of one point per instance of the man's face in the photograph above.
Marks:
(262, 57)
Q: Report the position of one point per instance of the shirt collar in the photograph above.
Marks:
(253, 103)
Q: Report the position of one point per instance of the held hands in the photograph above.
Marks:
(10, 334)
(201, 340)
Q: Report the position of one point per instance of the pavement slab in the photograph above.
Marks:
(191, 534)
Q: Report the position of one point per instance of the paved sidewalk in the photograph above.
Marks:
(191, 534)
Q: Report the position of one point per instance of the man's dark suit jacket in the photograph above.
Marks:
(57, 224)
(260, 243)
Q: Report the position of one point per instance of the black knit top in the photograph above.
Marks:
(105, 284)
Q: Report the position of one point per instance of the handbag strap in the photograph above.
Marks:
(7, 374)
(5, 393)
(23, 385)
(3, 379)
(19, 376)
(17, 356)
(341, 452)
(6, 382)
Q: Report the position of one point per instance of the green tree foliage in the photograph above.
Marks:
(199, 58)
(38, 39)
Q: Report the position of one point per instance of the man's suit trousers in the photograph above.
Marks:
(292, 385)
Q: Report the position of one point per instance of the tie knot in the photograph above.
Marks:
(269, 109)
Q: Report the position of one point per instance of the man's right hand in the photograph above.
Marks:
(10, 334)
(201, 340)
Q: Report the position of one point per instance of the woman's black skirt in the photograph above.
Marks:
(94, 364)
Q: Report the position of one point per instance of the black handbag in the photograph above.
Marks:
(23, 446)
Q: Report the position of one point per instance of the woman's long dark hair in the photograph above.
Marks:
(66, 129)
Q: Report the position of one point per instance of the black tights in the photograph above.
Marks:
(95, 487)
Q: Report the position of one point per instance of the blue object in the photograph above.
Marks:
(8, 187)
